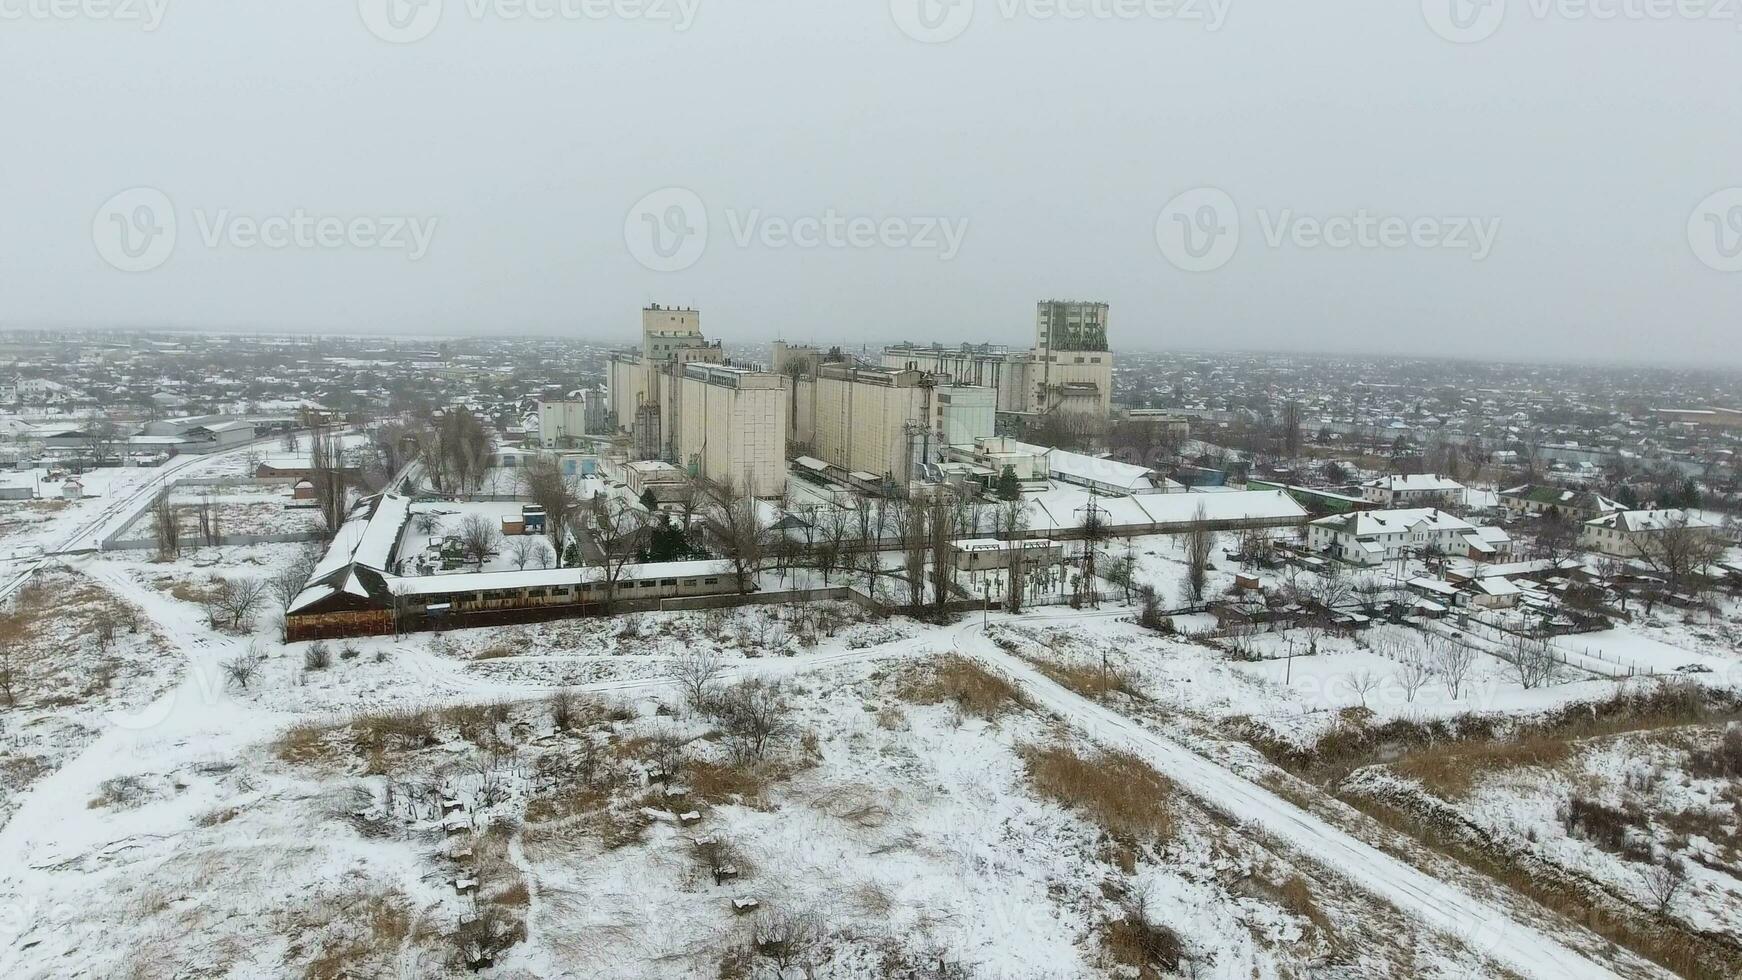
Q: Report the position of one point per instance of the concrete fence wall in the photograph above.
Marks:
(288, 537)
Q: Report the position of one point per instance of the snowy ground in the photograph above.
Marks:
(912, 827)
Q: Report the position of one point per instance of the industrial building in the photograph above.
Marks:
(1069, 369)
(891, 424)
(677, 400)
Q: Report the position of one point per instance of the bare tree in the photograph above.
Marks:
(456, 452)
(1533, 661)
(833, 529)
(206, 518)
(524, 550)
(556, 493)
(478, 538)
(617, 529)
(1015, 575)
(101, 437)
(941, 518)
(1200, 543)
(735, 524)
(752, 714)
(234, 600)
(1413, 671)
(1363, 684)
(787, 940)
(910, 524)
(695, 670)
(241, 670)
(332, 481)
(1452, 661)
(166, 523)
(1681, 551)
(1664, 882)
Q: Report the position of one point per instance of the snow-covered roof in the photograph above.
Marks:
(547, 577)
(1065, 508)
(1362, 523)
(1649, 520)
(1415, 482)
(379, 540)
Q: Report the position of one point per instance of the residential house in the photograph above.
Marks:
(1413, 490)
(1376, 536)
(1630, 533)
(1581, 505)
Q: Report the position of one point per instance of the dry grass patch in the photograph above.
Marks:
(1116, 790)
(973, 688)
(1088, 680)
(717, 783)
(360, 935)
(1449, 770)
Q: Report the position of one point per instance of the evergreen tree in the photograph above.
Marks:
(1009, 487)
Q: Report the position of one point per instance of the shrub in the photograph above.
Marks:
(1600, 824)
(318, 656)
(1137, 940)
(1723, 762)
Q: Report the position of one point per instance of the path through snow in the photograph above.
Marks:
(1443, 907)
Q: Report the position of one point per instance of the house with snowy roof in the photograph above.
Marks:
(1413, 490)
(1534, 498)
(1635, 533)
(1374, 537)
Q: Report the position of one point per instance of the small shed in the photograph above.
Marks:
(304, 490)
(72, 490)
(532, 519)
(513, 525)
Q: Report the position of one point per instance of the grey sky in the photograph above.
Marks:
(1590, 141)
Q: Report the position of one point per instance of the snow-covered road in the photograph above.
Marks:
(1441, 906)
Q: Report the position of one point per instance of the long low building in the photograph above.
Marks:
(354, 591)
(1063, 512)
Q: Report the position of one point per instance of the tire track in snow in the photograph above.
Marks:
(1486, 928)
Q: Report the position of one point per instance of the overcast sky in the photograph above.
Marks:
(1403, 177)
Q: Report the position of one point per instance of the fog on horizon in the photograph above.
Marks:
(1516, 180)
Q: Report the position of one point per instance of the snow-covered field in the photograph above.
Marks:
(404, 806)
